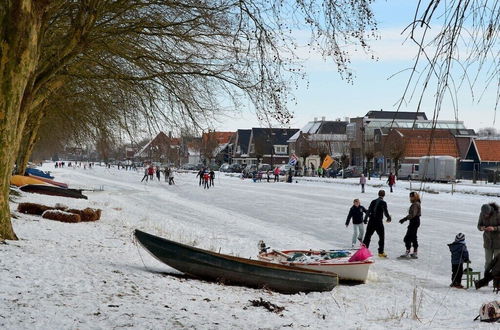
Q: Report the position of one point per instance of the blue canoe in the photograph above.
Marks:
(34, 171)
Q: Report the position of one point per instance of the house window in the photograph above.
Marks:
(280, 149)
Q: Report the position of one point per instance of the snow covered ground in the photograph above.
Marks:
(93, 275)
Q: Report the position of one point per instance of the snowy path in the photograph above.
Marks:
(90, 275)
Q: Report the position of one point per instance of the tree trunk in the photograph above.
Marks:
(28, 143)
(19, 37)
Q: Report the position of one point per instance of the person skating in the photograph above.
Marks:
(276, 174)
(489, 224)
(146, 174)
(375, 214)
(158, 173)
(362, 182)
(167, 173)
(459, 255)
(171, 177)
(151, 172)
(356, 213)
(391, 180)
(290, 176)
(413, 216)
(200, 175)
(206, 179)
(212, 177)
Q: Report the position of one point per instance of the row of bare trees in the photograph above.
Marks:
(93, 69)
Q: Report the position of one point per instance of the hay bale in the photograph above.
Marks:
(87, 214)
(32, 208)
(62, 216)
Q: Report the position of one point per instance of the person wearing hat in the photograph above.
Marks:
(489, 224)
(459, 255)
(376, 212)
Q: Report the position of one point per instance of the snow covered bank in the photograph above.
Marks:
(92, 275)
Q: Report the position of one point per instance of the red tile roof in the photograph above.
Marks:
(221, 137)
(417, 142)
(488, 150)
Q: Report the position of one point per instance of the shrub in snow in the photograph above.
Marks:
(62, 216)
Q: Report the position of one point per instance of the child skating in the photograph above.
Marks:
(356, 213)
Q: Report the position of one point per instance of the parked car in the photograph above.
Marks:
(350, 172)
(235, 168)
(224, 167)
(249, 170)
(189, 167)
(264, 167)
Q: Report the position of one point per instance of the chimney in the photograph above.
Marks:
(315, 119)
(170, 134)
(323, 118)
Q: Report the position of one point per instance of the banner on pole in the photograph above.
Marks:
(327, 162)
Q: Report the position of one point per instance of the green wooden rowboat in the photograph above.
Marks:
(228, 269)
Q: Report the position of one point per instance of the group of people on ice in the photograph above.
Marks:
(488, 223)
(150, 172)
(206, 177)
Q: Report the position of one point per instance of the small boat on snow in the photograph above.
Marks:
(53, 191)
(52, 182)
(335, 261)
(214, 266)
(37, 172)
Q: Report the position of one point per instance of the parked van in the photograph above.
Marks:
(438, 168)
(408, 172)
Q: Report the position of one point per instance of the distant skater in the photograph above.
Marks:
(158, 173)
(206, 180)
(146, 174)
(362, 182)
(391, 180)
(171, 177)
(212, 177)
(200, 175)
(276, 173)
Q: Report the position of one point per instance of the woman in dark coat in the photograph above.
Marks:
(413, 216)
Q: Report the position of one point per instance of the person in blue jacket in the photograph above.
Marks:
(459, 255)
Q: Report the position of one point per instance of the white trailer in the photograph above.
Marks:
(438, 168)
(408, 172)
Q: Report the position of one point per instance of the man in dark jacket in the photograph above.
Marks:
(376, 212)
(489, 224)
(356, 213)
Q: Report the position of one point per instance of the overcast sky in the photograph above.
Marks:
(329, 96)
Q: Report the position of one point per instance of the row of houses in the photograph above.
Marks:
(377, 141)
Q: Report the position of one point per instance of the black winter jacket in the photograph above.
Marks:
(356, 213)
(377, 210)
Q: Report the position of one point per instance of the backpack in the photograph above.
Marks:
(489, 312)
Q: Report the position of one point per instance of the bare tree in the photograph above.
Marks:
(209, 145)
(457, 44)
(488, 132)
(183, 55)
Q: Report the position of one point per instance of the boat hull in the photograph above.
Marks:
(21, 180)
(53, 191)
(347, 271)
(37, 172)
(234, 270)
(52, 182)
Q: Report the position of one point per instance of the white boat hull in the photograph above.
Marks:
(347, 271)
